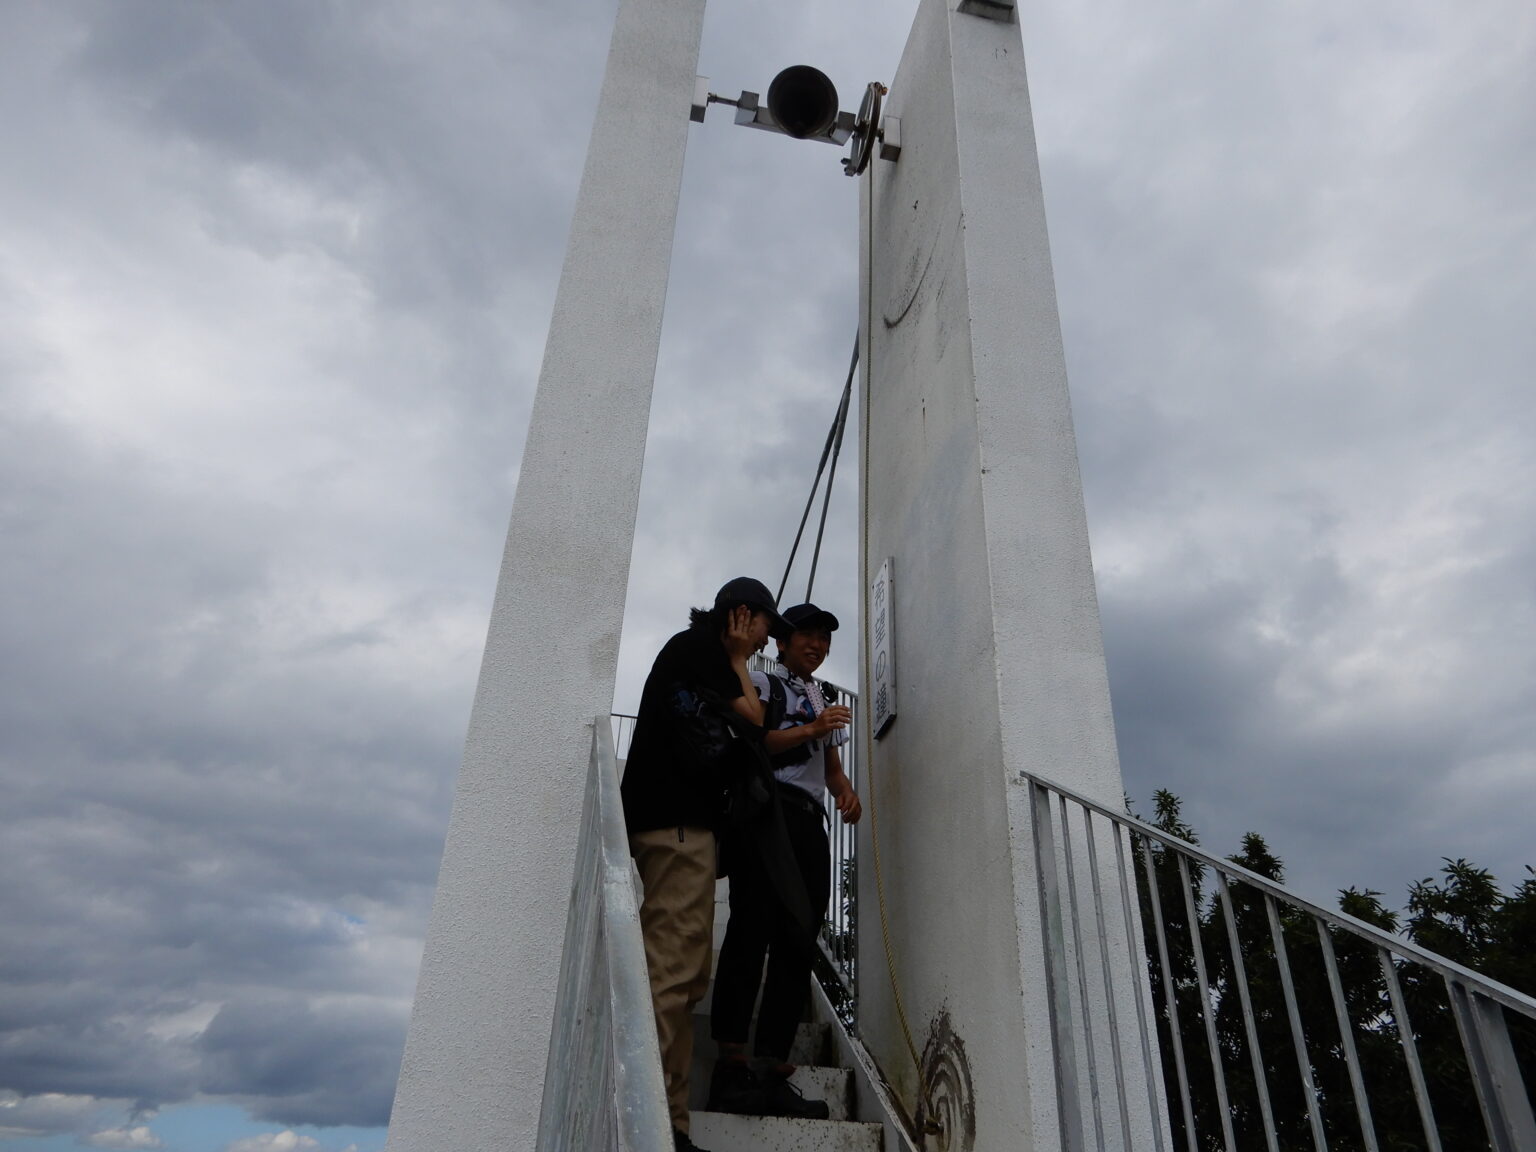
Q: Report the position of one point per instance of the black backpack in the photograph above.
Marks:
(707, 746)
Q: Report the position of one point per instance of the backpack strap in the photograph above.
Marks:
(774, 712)
(777, 704)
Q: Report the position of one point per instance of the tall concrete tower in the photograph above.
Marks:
(474, 1057)
(987, 612)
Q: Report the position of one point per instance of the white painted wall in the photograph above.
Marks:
(474, 1060)
(971, 483)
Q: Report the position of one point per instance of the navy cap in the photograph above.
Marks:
(808, 616)
(754, 594)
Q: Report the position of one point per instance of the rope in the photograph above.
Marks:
(865, 712)
(832, 448)
(839, 423)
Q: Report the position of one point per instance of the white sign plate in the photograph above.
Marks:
(882, 650)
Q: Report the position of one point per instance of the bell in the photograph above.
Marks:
(803, 101)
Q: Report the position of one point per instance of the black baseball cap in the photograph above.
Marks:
(755, 595)
(808, 616)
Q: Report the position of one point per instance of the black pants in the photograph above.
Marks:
(757, 929)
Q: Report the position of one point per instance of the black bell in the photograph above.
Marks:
(803, 101)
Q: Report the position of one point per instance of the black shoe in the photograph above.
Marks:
(681, 1143)
(781, 1098)
(734, 1087)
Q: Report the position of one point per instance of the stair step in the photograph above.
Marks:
(720, 1132)
(834, 1085)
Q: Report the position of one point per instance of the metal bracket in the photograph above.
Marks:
(700, 100)
(1003, 10)
(751, 114)
(890, 138)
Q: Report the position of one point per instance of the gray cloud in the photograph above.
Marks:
(23, 1116)
(272, 307)
(1300, 389)
(299, 1064)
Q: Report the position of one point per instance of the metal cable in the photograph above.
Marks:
(832, 447)
(839, 423)
(864, 712)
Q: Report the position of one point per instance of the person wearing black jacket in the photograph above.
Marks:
(807, 766)
(674, 793)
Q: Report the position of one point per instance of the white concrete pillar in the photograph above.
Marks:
(971, 484)
(474, 1060)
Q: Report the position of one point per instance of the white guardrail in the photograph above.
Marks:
(1289, 1030)
(603, 1087)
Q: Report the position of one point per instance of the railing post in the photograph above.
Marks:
(1347, 1038)
(1298, 1034)
(1126, 873)
(1106, 971)
(1255, 1057)
(1170, 996)
(1207, 1008)
(1069, 1110)
(1410, 1052)
(1075, 916)
(1496, 1074)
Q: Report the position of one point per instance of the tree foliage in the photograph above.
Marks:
(1461, 914)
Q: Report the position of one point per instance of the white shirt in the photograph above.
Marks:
(810, 776)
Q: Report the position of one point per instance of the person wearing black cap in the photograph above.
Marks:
(674, 793)
(803, 748)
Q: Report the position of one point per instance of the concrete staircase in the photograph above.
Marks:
(821, 1074)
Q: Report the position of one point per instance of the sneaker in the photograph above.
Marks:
(734, 1087)
(781, 1098)
(681, 1143)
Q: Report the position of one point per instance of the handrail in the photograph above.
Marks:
(1313, 1084)
(1509, 997)
(603, 1086)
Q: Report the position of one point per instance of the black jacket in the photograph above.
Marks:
(669, 780)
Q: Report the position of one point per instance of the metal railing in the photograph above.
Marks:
(603, 1086)
(623, 733)
(840, 932)
(1281, 1024)
(1264, 1021)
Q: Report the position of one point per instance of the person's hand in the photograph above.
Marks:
(847, 801)
(739, 639)
(832, 719)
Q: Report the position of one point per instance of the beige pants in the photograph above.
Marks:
(677, 917)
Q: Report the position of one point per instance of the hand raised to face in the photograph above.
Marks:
(745, 632)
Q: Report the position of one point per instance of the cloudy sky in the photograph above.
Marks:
(274, 280)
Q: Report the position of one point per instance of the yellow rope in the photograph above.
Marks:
(869, 740)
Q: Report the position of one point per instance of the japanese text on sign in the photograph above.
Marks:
(882, 651)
